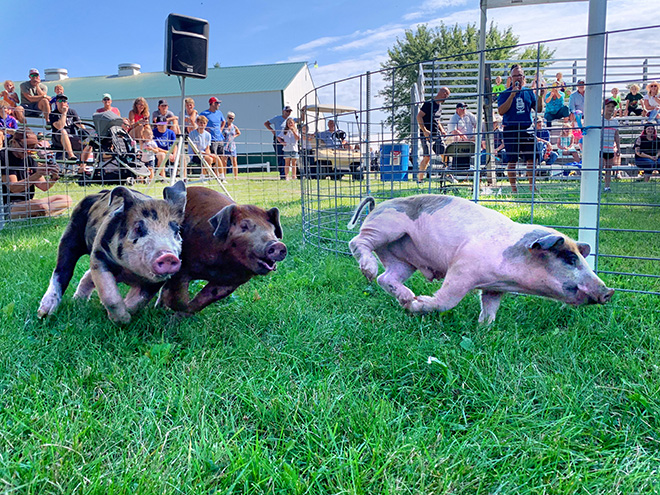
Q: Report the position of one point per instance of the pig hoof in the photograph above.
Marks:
(47, 306)
(120, 318)
(420, 305)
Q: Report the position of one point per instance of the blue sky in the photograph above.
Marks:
(345, 37)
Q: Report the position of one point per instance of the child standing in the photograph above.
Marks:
(611, 143)
(289, 138)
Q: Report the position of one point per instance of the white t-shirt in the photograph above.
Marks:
(653, 101)
(148, 155)
(467, 124)
(290, 141)
(609, 130)
(201, 140)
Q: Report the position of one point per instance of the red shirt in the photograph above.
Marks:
(112, 109)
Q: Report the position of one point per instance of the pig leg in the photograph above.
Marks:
(367, 241)
(174, 294)
(71, 248)
(490, 303)
(454, 288)
(208, 295)
(85, 286)
(137, 297)
(106, 286)
(396, 273)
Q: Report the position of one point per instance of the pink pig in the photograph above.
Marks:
(470, 247)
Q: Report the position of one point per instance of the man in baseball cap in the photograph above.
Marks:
(216, 121)
(275, 126)
(107, 105)
(34, 96)
(164, 111)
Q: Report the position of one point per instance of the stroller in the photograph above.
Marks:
(117, 160)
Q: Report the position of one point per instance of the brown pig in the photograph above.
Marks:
(224, 243)
(131, 238)
(470, 247)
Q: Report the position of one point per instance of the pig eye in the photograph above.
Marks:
(176, 228)
(246, 226)
(569, 257)
(140, 229)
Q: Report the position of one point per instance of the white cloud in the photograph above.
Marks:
(431, 6)
(326, 40)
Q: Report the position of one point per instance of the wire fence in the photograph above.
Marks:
(383, 151)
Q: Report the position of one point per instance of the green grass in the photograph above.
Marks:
(313, 381)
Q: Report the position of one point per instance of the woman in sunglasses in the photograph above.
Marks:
(22, 175)
(652, 102)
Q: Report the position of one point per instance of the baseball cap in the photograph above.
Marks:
(61, 97)
(287, 109)
(161, 119)
(608, 101)
(107, 95)
(213, 99)
(162, 102)
(461, 104)
(580, 81)
(34, 71)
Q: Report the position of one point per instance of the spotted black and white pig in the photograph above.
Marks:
(224, 243)
(470, 247)
(131, 238)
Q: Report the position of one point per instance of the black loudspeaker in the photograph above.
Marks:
(186, 46)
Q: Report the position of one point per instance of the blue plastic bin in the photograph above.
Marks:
(394, 162)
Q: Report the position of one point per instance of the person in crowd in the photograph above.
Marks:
(164, 139)
(230, 132)
(463, 124)
(107, 105)
(307, 140)
(462, 128)
(576, 102)
(566, 144)
(289, 139)
(148, 148)
(34, 96)
(498, 139)
(65, 123)
(498, 87)
(652, 102)
(275, 126)
(515, 106)
(333, 137)
(560, 82)
(611, 142)
(164, 111)
(554, 104)
(8, 124)
(138, 118)
(537, 82)
(59, 90)
(201, 138)
(633, 102)
(10, 96)
(618, 112)
(191, 115)
(216, 123)
(22, 175)
(647, 150)
(431, 131)
(546, 155)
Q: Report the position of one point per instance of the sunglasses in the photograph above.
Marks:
(34, 75)
(106, 99)
(230, 118)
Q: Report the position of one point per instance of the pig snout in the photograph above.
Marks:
(597, 295)
(276, 251)
(166, 264)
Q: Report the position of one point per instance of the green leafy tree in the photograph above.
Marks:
(445, 43)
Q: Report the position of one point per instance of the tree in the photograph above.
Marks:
(441, 43)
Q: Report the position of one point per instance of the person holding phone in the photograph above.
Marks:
(515, 105)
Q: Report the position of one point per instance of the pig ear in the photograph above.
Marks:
(274, 218)
(122, 192)
(547, 242)
(221, 222)
(176, 195)
(584, 249)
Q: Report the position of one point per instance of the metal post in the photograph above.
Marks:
(368, 134)
(480, 101)
(414, 126)
(589, 184)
